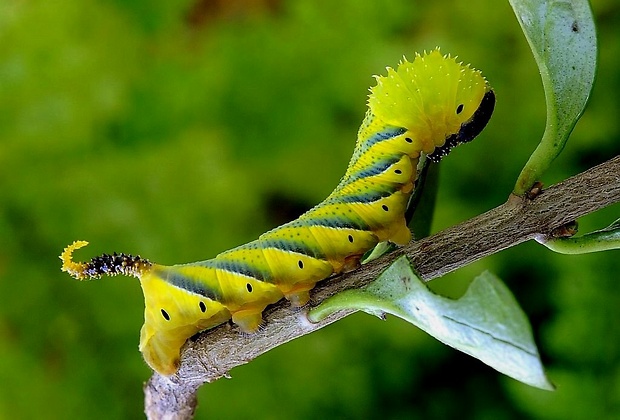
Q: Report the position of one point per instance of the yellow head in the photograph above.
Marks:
(433, 97)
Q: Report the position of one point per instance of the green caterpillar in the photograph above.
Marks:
(427, 106)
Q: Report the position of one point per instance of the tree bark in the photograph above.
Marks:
(212, 354)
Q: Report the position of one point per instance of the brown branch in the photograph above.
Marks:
(216, 352)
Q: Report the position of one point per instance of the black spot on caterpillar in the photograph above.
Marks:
(427, 106)
(165, 315)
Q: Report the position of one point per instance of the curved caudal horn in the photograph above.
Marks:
(111, 265)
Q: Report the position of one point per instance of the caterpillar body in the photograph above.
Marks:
(426, 106)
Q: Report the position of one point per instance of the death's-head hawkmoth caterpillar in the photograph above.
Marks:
(427, 106)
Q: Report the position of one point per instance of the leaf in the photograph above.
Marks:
(486, 323)
(421, 205)
(562, 37)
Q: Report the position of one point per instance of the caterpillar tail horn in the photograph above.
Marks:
(110, 264)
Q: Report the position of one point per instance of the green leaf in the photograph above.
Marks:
(562, 37)
(486, 323)
(420, 209)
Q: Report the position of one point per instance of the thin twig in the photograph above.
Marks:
(214, 353)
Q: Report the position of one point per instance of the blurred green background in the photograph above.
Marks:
(175, 130)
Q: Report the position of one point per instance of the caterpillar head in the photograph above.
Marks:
(440, 102)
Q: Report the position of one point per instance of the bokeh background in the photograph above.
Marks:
(178, 129)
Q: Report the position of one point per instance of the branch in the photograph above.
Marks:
(214, 353)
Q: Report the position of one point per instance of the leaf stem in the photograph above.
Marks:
(600, 240)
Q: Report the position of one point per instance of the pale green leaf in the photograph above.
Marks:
(486, 323)
(562, 37)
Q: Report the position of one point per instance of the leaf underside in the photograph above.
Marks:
(486, 323)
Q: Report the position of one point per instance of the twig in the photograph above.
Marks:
(214, 353)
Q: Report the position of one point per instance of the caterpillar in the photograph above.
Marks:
(423, 108)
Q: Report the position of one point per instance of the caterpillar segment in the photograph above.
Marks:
(427, 106)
